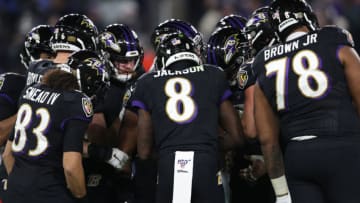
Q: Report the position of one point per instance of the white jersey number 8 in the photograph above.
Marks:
(180, 107)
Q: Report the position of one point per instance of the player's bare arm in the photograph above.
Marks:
(230, 121)
(351, 61)
(74, 173)
(8, 157)
(145, 137)
(99, 133)
(128, 132)
(247, 119)
(268, 131)
(267, 127)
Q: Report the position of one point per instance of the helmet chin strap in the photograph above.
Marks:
(123, 77)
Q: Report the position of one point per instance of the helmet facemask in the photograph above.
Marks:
(116, 62)
(120, 46)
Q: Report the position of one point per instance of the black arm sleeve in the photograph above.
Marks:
(74, 135)
(7, 108)
(99, 152)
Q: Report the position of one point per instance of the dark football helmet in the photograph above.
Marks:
(119, 43)
(74, 32)
(259, 30)
(175, 47)
(287, 15)
(232, 20)
(90, 71)
(176, 25)
(228, 48)
(36, 42)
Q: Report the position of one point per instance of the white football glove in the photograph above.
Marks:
(284, 199)
(118, 158)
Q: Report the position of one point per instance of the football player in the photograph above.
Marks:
(178, 108)
(145, 176)
(72, 32)
(308, 96)
(36, 46)
(239, 75)
(253, 180)
(44, 152)
(261, 34)
(120, 47)
(229, 48)
(11, 85)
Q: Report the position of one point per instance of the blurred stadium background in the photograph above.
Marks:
(17, 17)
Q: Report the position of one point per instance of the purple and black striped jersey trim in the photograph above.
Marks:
(226, 95)
(139, 104)
(7, 97)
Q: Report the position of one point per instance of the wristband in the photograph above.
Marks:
(280, 186)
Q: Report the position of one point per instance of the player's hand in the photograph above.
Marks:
(284, 199)
(256, 169)
(113, 156)
(118, 158)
